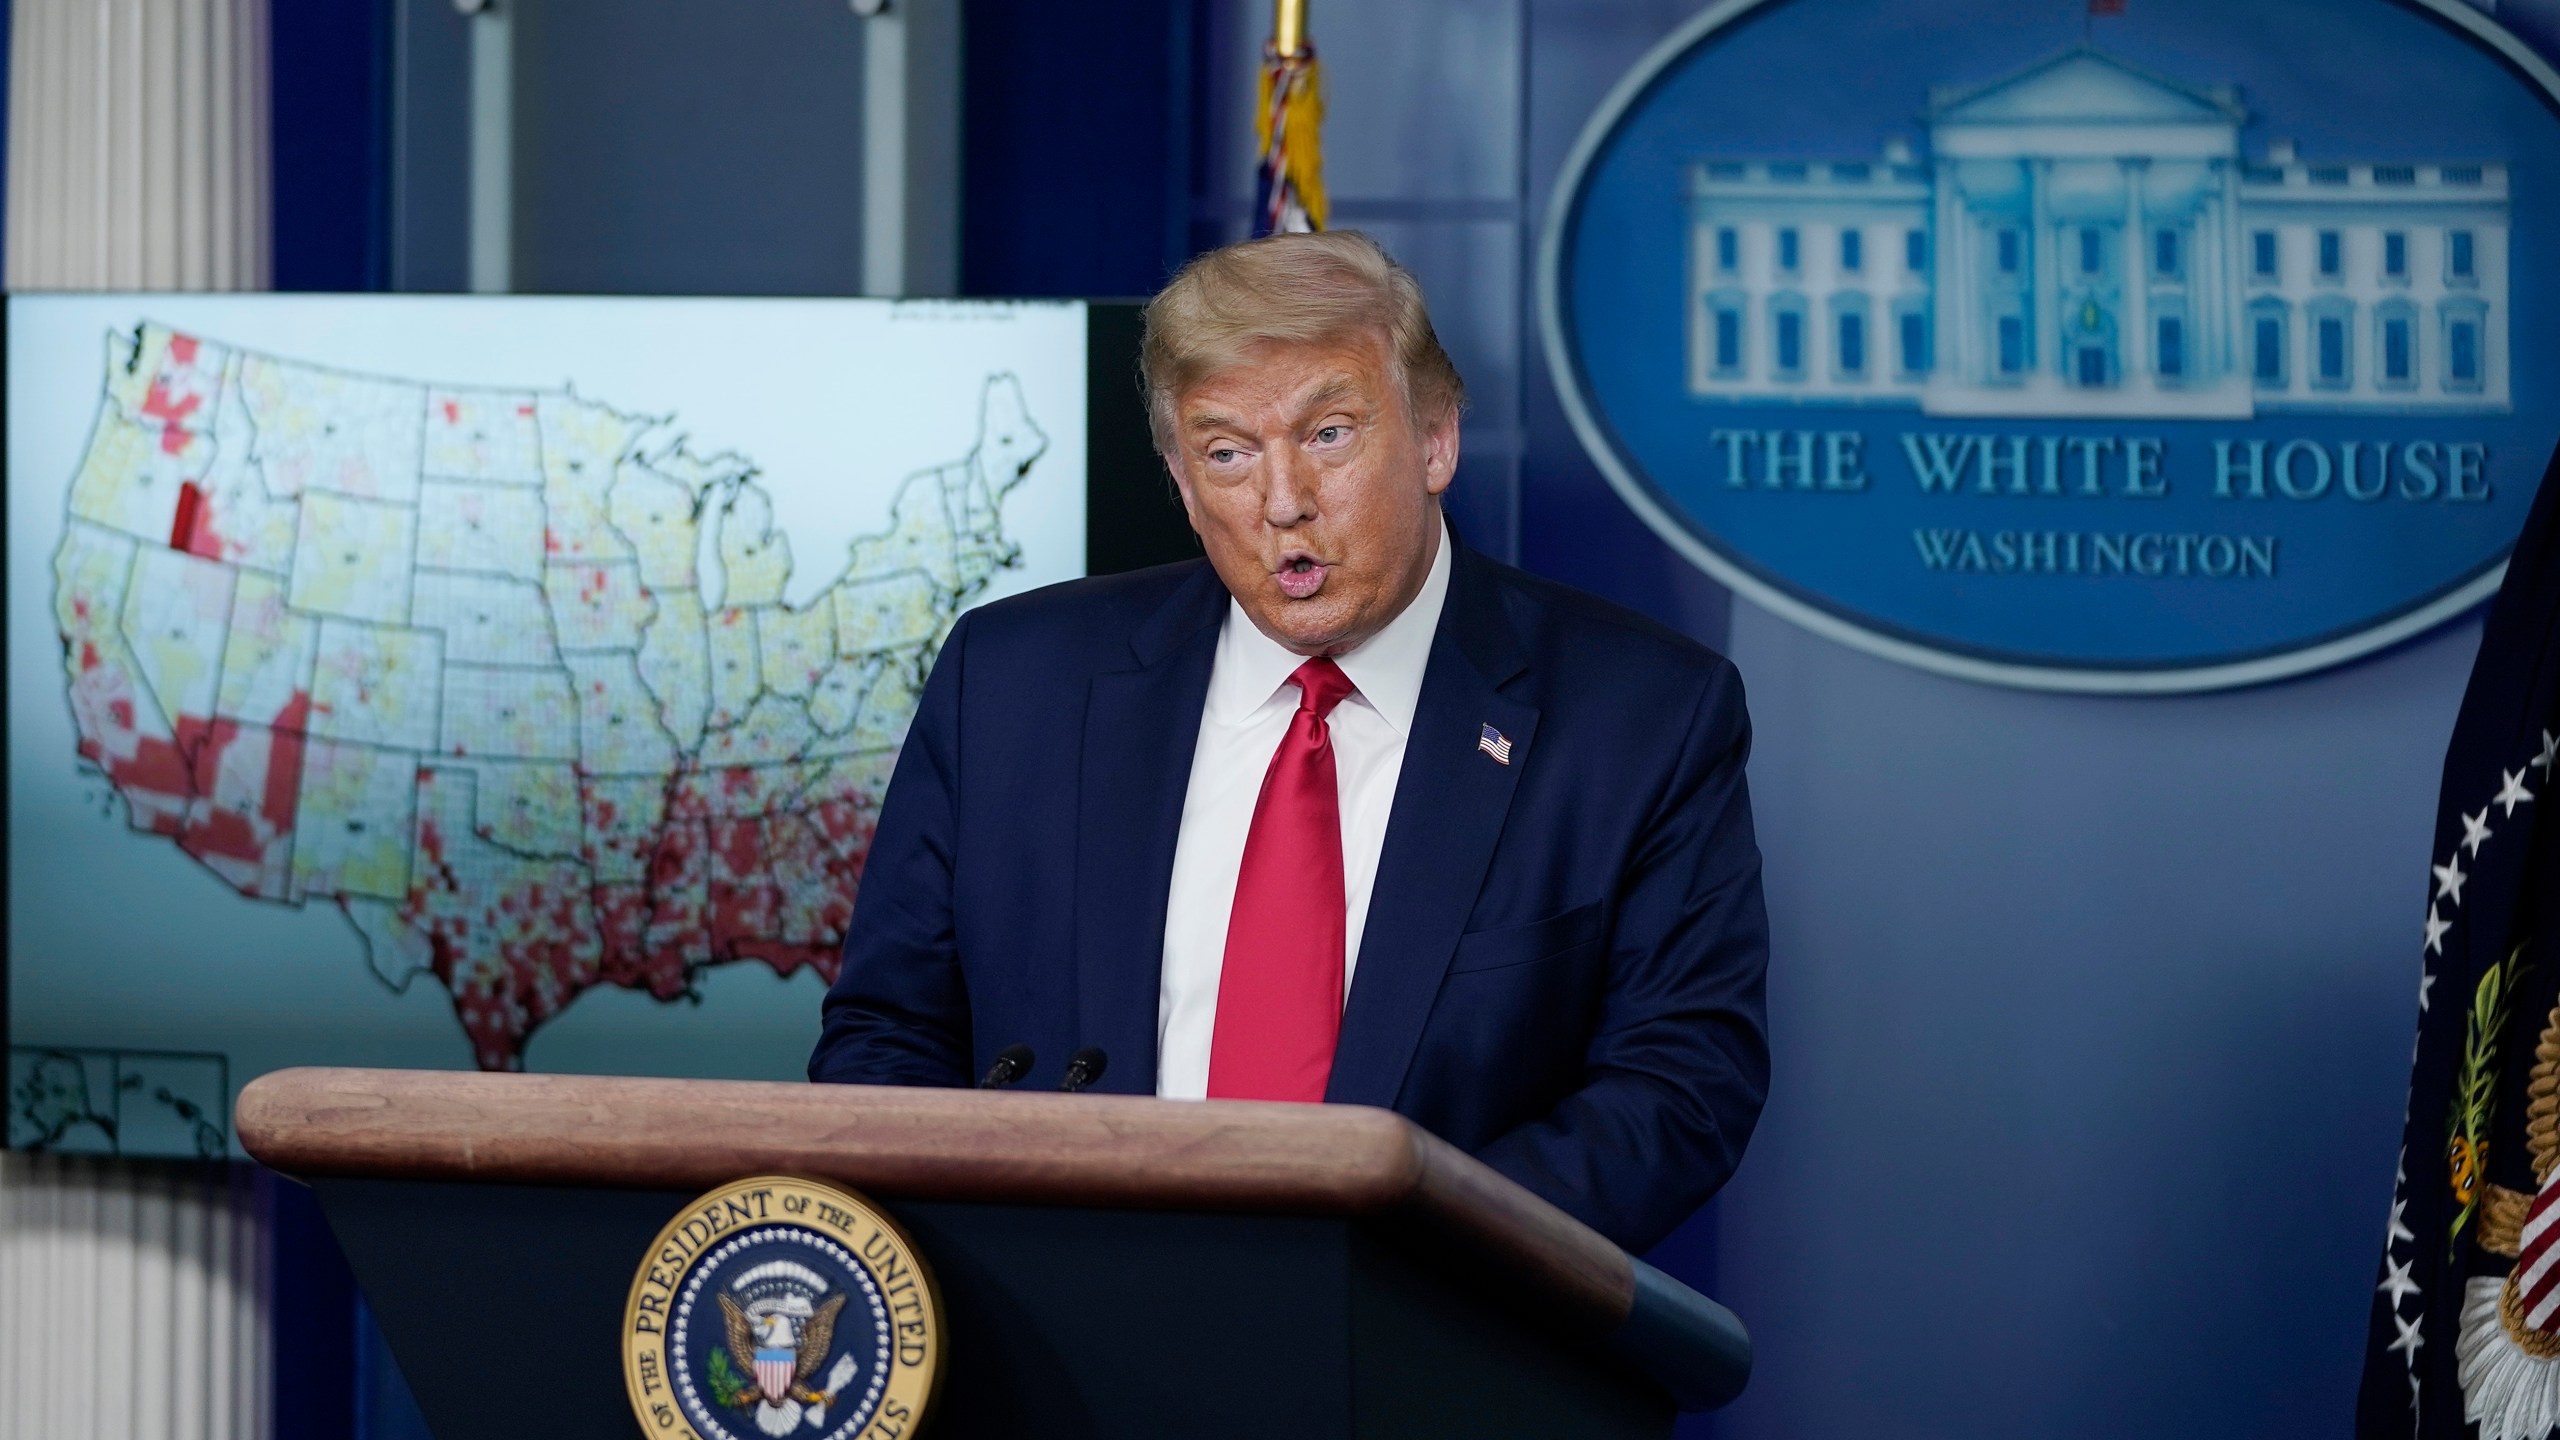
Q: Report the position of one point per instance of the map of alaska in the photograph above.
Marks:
(507, 677)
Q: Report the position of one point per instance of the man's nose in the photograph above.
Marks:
(1288, 492)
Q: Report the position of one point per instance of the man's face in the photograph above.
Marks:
(1312, 489)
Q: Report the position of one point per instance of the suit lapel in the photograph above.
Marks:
(1140, 727)
(1451, 800)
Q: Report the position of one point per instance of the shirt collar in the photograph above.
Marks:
(1387, 668)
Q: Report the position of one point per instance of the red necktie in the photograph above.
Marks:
(1280, 993)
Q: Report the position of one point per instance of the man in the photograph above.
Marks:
(1342, 812)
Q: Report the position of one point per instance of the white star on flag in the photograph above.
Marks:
(2397, 1283)
(2475, 831)
(2514, 794)
(2398, 1231)
(2436, 926)
(2425, 984)
(2409, 1339)
(2449, 878)
(2550, 754)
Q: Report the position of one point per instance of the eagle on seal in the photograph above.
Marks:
(782, 1355)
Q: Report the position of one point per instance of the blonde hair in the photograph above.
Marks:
(1313, 289)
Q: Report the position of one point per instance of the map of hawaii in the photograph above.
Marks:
(508, 677)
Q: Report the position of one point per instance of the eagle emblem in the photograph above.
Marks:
(778, 1334)
(778, 1308)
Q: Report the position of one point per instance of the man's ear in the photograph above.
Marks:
(1440, 453)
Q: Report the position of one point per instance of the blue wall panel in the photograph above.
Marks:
(2091, 1020)
(2091, 1017)
(665, 147)
(1572, 525)
(331, 115)
(1076, 121)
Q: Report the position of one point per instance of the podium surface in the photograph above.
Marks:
(1109, 1265)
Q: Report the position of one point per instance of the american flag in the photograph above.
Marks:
(1496, 744)
(2537, 1273)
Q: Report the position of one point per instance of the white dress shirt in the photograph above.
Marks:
(1247, 711)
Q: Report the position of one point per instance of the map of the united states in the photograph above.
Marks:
(507, 677)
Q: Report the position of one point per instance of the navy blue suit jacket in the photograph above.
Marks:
(1561, 972)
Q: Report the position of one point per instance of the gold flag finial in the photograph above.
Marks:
(1289, 28)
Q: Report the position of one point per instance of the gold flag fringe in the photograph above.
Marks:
(1299, 82)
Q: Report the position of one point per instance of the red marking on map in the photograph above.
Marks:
(172, 415)
(249, 779)
(182, 526)
(516, 938)
(172, 410)
(651, 880)
(226, 792)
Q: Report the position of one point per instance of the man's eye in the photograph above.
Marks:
(1221, 456)
(1333, 434)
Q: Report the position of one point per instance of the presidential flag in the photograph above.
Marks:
(2465, 1323)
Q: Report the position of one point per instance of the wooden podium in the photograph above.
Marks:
(1110, 1266)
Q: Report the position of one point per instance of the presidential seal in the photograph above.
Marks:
(779, 1307)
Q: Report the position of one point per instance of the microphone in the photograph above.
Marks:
(1084, 1067)
(1012, 1063)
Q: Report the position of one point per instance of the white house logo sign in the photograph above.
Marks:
(2121, 355)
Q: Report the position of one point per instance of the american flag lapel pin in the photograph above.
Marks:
(1496, 744)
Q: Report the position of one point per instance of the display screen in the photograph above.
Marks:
(496, 681)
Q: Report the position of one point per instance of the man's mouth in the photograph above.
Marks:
(1301, 575)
